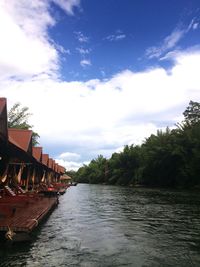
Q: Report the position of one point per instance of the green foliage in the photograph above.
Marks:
(161, 160)
(167, 159)
(72, 174)
(124, 165)
(18, 118)
(94, 172)
(192, 113)
(82, 175)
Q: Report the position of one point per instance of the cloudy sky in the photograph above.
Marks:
(98, 75)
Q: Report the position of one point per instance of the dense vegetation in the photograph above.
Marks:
(171, 158)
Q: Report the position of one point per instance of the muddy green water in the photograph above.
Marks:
(97, 225)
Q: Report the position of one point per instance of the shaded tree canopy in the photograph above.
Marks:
(171, 158)
(18, 118)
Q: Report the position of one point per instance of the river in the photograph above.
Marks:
(101, 226)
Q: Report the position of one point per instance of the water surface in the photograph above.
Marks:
(99, 225)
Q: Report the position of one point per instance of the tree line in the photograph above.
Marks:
(170, 158)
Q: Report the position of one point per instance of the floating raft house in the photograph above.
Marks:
(29, 182)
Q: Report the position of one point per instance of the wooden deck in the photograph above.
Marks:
(22, 213)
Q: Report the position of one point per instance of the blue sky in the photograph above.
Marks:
(115, 35)
(98, 75)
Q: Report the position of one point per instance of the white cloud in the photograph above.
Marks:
(102, 73)
(171, 40)
(168, 43)
(195, 26)
(81, 37)
(115, 37)
(69, 165)
(67, 5)
(83, 51)
(84, 119)
(24, 48)
(61, 49)
(85, 62)
(95, 116)
(69, 156)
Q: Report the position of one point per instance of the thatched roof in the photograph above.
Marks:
(65, 177)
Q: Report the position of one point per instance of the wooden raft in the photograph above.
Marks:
(24, 213)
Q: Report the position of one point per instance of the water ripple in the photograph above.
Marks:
(102, 226)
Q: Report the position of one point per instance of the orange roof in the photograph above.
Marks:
(61, 169)
(37, 153)
(50, 163)
(53, 164)
(45, 158)
(56, 167)
(3, 119)
(21, 138)
(2, 104)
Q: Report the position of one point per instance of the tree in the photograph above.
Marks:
(192, 113)
(82, 174)
(168, 159)
(162, 159)
(97, 170)
(124, 166)
(18, 118)
(188, 138)
(93, 173)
